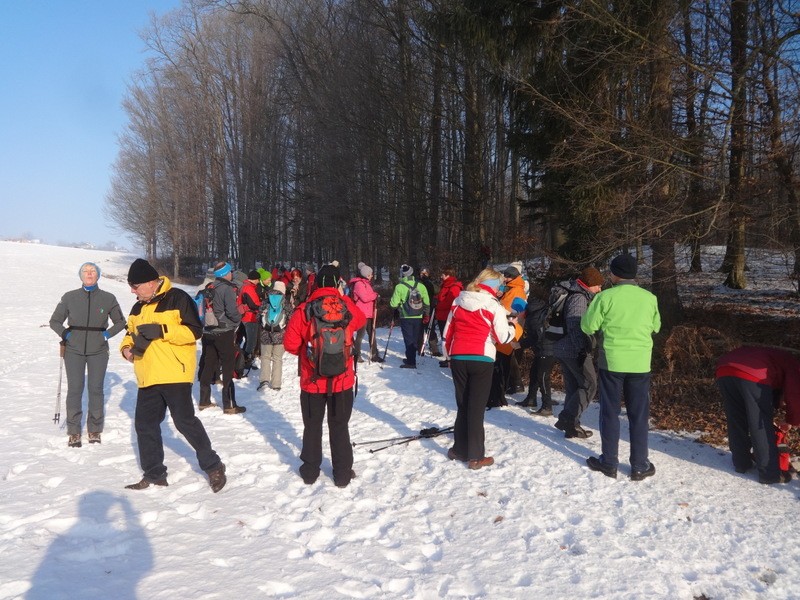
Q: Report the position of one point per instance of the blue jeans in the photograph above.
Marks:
(411, 328)
(636, 389)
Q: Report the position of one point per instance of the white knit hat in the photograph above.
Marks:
(406, 271)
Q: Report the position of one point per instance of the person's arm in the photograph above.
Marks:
(118, 320)
(57, 319)
(293, 336)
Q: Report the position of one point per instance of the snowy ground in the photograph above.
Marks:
(538, 524)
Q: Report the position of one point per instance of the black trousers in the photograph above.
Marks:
(541, 372)
(472, 380)
(499, 382)
(750, 414)
(218, 351)
(151, 407)
(339, 406)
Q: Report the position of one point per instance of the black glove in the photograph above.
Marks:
(140, 344)
(396, 314)
(150, 331)
(582, 357)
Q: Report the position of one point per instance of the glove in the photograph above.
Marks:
(426, 319)
(140, 344)
(582, 357)
(65, 334)
(396, 314)
(106, 336)
(150, 331)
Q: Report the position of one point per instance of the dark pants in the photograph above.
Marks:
(514, 372)
(750, 413)
(472, 380)
(411, 329)
(541, 372)
(580, 386)
(636, 389)
(218, 350)
(250, 339)
(339, 406)
(77, 366)
(151, 407)
(499, 381)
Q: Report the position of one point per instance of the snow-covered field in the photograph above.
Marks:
(538, 524)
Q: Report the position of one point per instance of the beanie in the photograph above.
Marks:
(279, 286)
(624, 266)
(254, 274)
(141, 271)
(365, 271)
(264, 275)
(89, 264)
(591, 277)
(222, 270)
(406, 271)
(328, 276)
(511, 272)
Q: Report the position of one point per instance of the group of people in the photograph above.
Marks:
(324, 322)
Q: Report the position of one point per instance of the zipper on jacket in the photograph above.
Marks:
(88, 316)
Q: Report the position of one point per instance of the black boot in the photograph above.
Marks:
(527, 402)
(205, 397)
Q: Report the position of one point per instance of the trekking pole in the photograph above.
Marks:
(425, 433)
(430, 432)
(57, 416)
(426, 337)
(388, 337)
(372, 333)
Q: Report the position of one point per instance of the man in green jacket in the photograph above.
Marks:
(412, 306)
(626, 317)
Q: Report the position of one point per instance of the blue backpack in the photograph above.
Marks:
(273, 315)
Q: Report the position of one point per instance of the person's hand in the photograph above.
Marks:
(66, 333)
(140, 344)
(150, 331)
(426, 319)
(515, 345)
(582, 357)
(127, 354)
(396, 314)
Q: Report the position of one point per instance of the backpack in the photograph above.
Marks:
(330, 346)
(205, 306)
(414, 305)
(554, 324)
(240, 368)
(273, 313)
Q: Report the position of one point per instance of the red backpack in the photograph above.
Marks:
(330, 345)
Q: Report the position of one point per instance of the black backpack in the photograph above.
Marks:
(554, 323)
(330, 346)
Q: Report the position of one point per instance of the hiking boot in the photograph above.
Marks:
(578, 432)
(445, 364)
(234, 410)
(561, 424)
(452, 455)
(408, 366)
(205, 406)
(344, 484)
(94, 437)
(436, 354)
(544, 411)
(144, 484)
(262, 386)
(377, 359)
(783, 477)
(595, 464)
(515, 389)
(308, 479)
(648, 472)
(526, 402)
(74, 440)
(486, 461)
(217, 479)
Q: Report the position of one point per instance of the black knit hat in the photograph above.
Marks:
(328, 276)
(141, 271)
(254, 275)
(511, 272)
(624, 266)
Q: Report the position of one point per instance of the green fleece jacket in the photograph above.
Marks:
(401, 292)
(626, 317)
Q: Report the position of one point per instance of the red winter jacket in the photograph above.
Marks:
(298, 334)
(248, 298)
(772, 367)
(451, 288)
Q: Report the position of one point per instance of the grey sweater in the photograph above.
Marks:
(92, 309)
(575, 341)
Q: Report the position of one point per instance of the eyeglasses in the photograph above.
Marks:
(136, 286)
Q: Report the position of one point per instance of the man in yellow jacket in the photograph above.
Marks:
(161, 342)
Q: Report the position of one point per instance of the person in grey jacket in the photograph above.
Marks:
(85, 340)
(219, 342)
(573, 353)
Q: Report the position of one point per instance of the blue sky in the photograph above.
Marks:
(64, 68)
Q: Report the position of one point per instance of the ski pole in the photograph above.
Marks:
(425, 433)
(426, 337)
(372, 333)
(57, 416)
(388, 337)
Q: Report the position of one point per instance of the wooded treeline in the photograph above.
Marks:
(433, 131)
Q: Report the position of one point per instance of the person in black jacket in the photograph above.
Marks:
(542, 346)
(85, 342)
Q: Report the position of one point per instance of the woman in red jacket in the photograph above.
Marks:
(319, 392)
(753, 382)
(475, 324)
